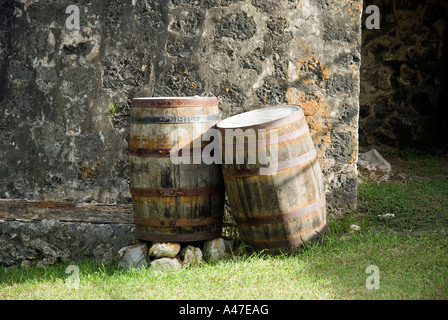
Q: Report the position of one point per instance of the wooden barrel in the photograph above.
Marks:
(172, 201)
(276, 191)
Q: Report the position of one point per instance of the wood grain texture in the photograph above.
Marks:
(25, 210)
(282, 209)
(188, 191)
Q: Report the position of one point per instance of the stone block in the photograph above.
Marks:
(191, 256)
(164, 250)
(135, 256)
(166, 264)
(215, 250)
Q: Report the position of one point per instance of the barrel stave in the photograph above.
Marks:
(281, 209)
(174, 202)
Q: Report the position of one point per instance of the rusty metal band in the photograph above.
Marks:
(163, 152)
(179, 237)
(174, 102)
(296, 116)
(176, 119)
(175, 192)
(169, 223)
(296, 241)
(139, 152)
(273, 168)
(284, 216)
(261, 143)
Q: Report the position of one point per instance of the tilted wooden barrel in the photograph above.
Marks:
(172, 201)
(277, 202)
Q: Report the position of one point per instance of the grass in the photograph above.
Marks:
(417, 195)
(410, 266)
(113, 109)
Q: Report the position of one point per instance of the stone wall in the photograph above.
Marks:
(57, 140)
(404, 70)
(46, 232)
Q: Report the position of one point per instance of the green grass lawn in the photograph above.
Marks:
(417, 195)
(410, 266)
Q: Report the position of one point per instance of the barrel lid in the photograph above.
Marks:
(266, 118)
(174, 102)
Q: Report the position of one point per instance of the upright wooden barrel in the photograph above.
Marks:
(273, 179)
(174, 201)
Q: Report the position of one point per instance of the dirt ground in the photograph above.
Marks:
(401, 165)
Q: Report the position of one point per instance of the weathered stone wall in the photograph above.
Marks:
(403, 100)
(57, 141)
(50, 241)
(46, 232)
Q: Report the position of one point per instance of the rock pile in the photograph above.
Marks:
(372, 165)
(173, 256)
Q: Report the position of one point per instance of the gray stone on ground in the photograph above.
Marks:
(166, 264)
(229, 246)
(374, 159)
(373, 164)
(215, 250)
(46, 262)
(134, 256)
(191, 256)
(164, 250)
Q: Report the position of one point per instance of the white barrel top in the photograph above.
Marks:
(258, 117)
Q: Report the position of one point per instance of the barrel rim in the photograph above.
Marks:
(273, 124)
(173, 102)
